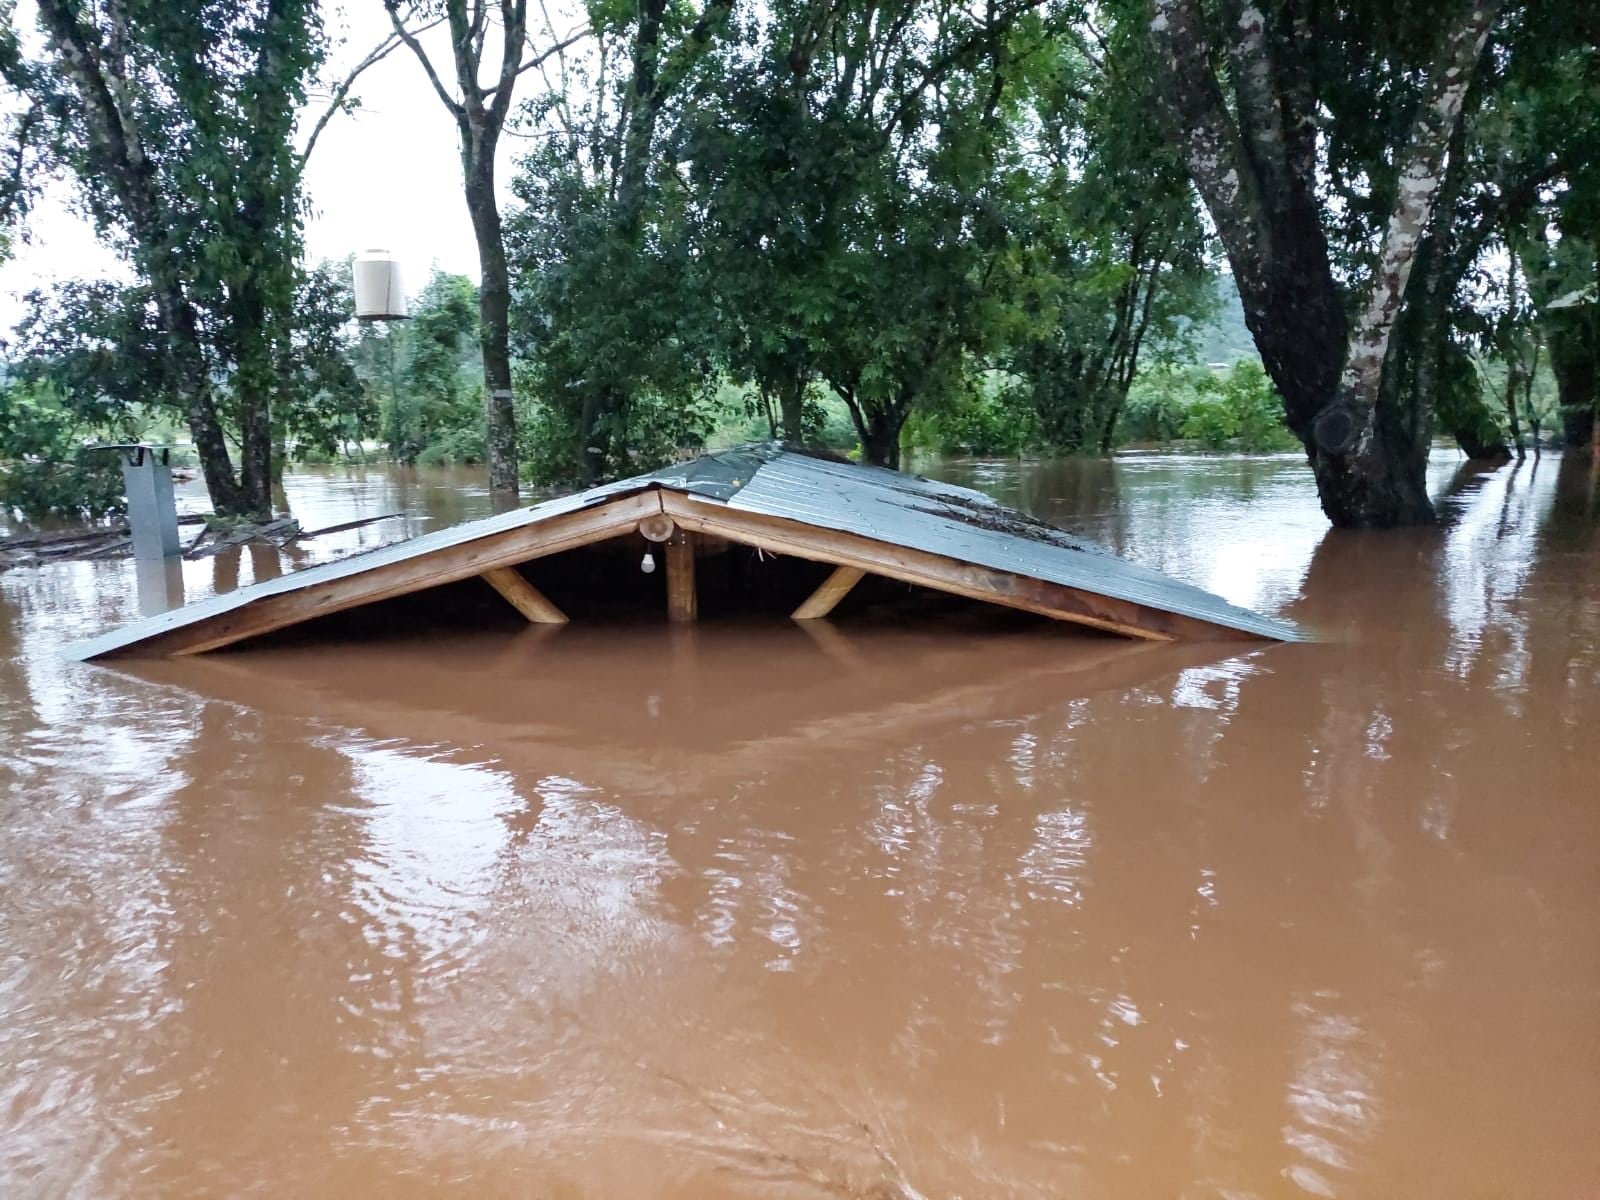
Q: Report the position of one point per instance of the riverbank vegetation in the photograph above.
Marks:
(998, 228)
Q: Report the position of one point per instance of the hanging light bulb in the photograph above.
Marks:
(647, 564)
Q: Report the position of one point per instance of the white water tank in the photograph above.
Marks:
(379, 294)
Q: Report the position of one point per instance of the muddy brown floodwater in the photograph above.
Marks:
(742, 912)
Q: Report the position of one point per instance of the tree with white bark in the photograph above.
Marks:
(1243, 87)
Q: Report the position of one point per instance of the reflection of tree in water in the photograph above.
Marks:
(19, 712)
(1413, 744)
(1567, 573)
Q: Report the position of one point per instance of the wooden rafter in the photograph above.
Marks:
(523, 596)
(828, 594)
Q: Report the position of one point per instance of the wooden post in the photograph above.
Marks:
(523, 596)
(682, 603)
(833, 589)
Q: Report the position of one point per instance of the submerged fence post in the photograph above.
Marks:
(152, 511)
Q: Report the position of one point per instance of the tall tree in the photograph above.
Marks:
(1112, 257)
(1245, 86)
(480, 110)
(608, 300)
(848, 204)
(175, 119)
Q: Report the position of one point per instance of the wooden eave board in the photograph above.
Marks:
(213, 608)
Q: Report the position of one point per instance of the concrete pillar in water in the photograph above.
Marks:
(152, 512)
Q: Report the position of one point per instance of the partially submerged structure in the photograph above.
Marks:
(745, 527)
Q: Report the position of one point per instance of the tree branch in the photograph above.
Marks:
(1207, 136)
(941, 66)
(405, 35)
(557, 50)
(336, 101)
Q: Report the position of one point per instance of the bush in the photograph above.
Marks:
(1256, 408)
(44, 469)
(977, 420)
(1154, 410)
(454, 448)
(1210, 421)
(1240, 409)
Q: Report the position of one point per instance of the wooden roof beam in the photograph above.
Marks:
(523, 596)
(827, 596)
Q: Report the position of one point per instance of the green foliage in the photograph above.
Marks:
(179, 141)
(321, 406)
(1236, 409)
(44, 469)
(920, 222)
(456, 447)
(1111, 264)
(991, 418)
(607, 323)
(427, 376)
(1157, 406)
(1241, 408)
(99, 346)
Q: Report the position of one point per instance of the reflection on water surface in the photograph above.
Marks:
(734, 911)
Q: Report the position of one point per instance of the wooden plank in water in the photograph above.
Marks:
(682, 602)
(783, 536)
(827, 596)
(523, 596)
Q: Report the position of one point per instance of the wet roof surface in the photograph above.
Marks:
(872, 502)
(957, 522)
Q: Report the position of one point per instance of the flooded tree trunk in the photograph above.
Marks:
(120, 155)
(1254, 164)
(1575, 384)
(1513, 390)
(1513, 359)
(191, 381)
(494, 315)
(880, 445)
(792, 402)
(254, 378)
(1574, 343)
(878, 424)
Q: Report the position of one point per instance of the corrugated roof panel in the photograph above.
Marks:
(967, 525)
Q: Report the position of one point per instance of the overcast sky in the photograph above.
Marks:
(387, 175)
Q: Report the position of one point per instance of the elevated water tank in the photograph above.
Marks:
(379, 294)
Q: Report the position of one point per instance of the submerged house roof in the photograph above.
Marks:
(860, 520)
